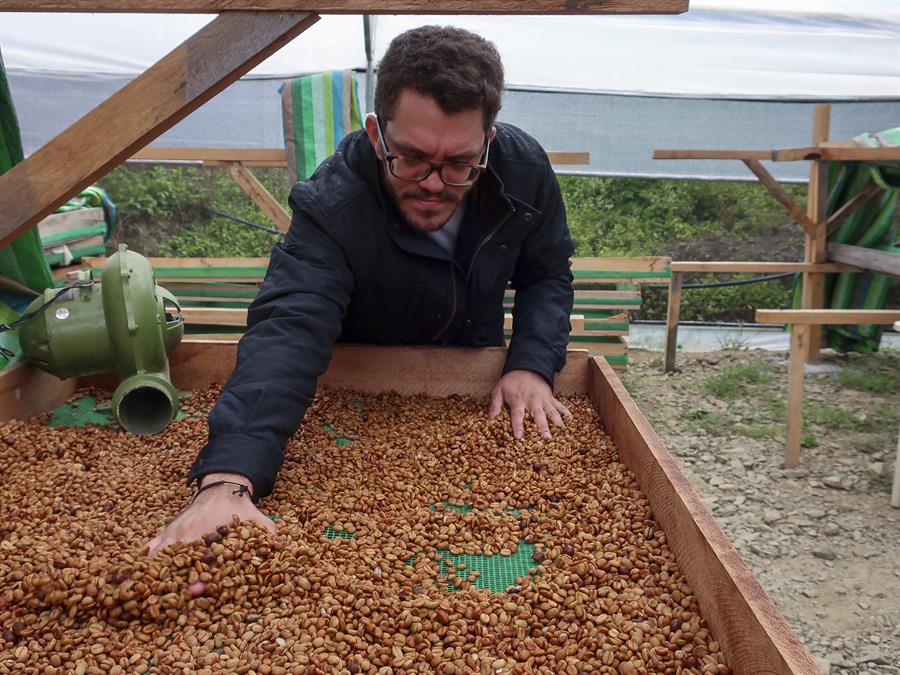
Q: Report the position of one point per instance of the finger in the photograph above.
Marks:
(554, 416)
(496, 402)
(562, 408)
(540, 419)
(518, 421)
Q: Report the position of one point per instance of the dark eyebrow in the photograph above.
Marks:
(399, 148)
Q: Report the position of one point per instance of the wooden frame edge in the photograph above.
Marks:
(754, 636)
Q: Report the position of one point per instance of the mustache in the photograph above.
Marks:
(443, 196)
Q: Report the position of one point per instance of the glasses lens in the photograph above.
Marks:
(409, 169)
(458, 174)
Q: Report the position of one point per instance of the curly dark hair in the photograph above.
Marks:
(458, 69)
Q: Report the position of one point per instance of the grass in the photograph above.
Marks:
(831, 416)
(875, 375)
(736, 379)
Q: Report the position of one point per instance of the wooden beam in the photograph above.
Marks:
(713, 154)
(839, 216)
(639, 264)
(754, 636)
(260, 196)
(837, 154)
(275, 156)
(100, 261)
(867, 258)
(824, 317)
(738, 267)
(190, 75)
(573, 7)
(673, 314)
(782, 197)
(815, 241)
(799, 347)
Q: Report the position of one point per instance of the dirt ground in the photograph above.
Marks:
(822, 539)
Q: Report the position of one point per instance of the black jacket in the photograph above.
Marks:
(350, 270)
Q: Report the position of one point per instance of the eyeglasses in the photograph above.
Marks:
(416, 170)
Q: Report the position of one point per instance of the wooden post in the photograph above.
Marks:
(190, 75)
(815, 245)
(260, 196)
(673, 312)
(799, 345)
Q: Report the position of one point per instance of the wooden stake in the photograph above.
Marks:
(190, 75)
(799, 345)
(260, 196)
(813, 296)
(673, 313)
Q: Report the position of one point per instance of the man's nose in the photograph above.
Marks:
(432, 182)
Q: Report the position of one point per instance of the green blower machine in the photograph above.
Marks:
(125, 323)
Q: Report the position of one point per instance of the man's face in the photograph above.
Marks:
(419, 129)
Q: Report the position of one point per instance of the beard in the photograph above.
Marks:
(430, 219)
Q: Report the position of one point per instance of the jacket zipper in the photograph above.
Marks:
(484, 243)
(446, 326)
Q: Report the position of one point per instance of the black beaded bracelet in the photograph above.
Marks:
(241, 491)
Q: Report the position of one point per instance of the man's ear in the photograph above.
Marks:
(372, 133)
(491, 134)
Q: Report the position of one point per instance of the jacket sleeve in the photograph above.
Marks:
(291, 329)
(544, 295)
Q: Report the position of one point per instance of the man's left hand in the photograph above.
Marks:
(523, 390)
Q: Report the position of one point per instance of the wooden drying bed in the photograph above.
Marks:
(754, 636)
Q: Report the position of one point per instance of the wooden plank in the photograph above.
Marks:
(260, 196)
(26, 391)
(639, 264)
(573, 7)
(217, 55)
(274, 157)
(673, 314)
(866, 258)
(782, 197)
(824, 317)
(155, 262)
(56, 223)
(434, 371)
(799, 347)
(839, 216)
(713, 154)
(828, 153)
(739, 267)
(753, 634)
(815, 242)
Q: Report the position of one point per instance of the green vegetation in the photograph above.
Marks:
(163, 211)
(873, 375)
(736, 379)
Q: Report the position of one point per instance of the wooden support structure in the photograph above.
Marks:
(260, 196)
(815, 222)
(680, 268)
(802, 321)
(872, 259)
(569, 7)
(815, 241)
(673, 313)
(195, 71)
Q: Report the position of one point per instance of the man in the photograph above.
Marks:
(408, 234)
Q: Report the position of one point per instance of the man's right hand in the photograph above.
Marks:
(213, 507)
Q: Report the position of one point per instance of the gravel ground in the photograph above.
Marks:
(822, 539)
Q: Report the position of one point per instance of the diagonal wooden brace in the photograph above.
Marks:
(780, 195)
(186, 78)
